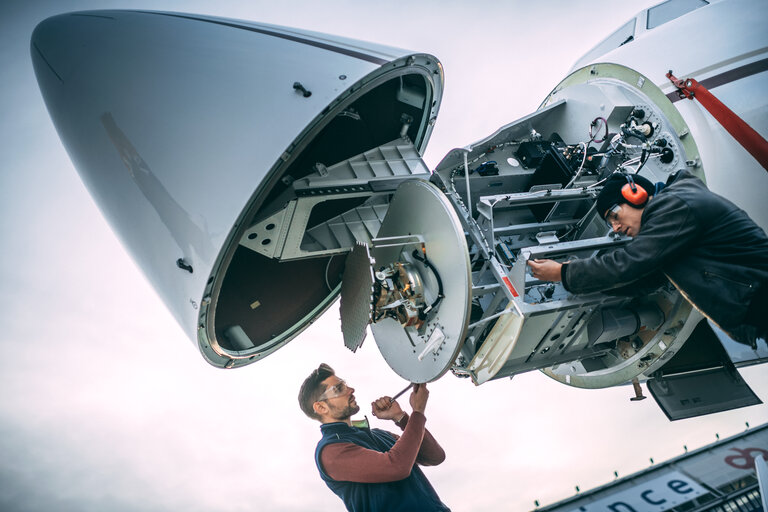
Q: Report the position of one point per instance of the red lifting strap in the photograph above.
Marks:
(733, 124)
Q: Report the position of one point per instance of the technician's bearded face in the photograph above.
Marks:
(625, 220)
(340, 398)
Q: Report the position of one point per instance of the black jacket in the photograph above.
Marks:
(708, 248)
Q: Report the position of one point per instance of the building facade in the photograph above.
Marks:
(720, 477)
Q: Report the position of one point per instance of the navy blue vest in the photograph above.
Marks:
(412, 494)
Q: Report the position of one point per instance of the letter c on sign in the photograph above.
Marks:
(645, 494)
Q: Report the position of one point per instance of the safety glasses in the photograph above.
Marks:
(612, 216)
(337, 390)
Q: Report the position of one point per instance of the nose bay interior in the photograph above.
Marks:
(263, 300)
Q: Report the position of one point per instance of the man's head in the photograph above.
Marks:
(326, 398)
(622, 200)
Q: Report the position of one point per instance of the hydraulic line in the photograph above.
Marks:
(744, 134)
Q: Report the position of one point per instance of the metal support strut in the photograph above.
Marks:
(733, 124)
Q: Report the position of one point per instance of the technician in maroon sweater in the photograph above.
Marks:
(372, 469)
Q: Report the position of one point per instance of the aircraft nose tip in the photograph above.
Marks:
(51, 47)
(61, 44)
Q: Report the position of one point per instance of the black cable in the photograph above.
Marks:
(440, 295)
(644, 157)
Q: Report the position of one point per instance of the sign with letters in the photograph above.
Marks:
(656, 495)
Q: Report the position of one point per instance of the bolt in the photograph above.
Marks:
(299, 87)
(638, 391)
(184, 265)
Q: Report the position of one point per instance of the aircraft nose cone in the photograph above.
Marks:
(180, 126)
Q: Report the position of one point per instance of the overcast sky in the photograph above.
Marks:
(106, 405)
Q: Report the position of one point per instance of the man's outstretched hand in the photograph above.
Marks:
(545, 270)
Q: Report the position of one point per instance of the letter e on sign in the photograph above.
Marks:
(679, 486)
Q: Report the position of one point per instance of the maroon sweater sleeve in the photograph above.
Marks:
(430, 452)
(352, 463)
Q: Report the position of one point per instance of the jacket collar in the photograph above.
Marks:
(339, 427)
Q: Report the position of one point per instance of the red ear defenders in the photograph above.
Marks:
(634, 193)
